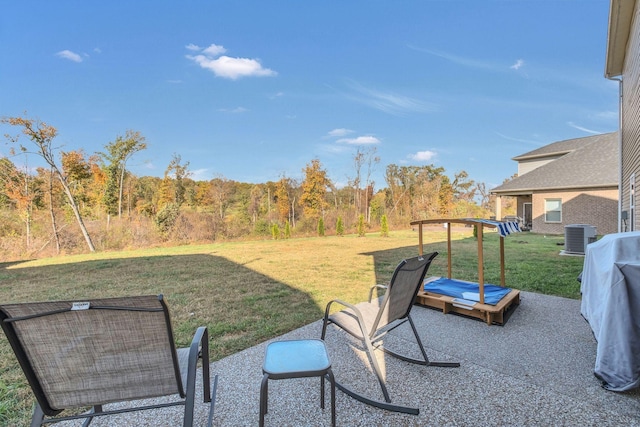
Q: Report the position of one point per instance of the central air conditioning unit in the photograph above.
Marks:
(577, 237)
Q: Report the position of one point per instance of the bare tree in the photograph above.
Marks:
(42, 135)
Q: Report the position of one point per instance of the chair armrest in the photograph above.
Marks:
(351, 307)
(384, 287)
(199, 348)
(343, 303)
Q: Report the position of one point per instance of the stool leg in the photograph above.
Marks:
(333, 397)
(264, 397)
(322, 391)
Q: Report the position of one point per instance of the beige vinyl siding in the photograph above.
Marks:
(631, 114)
(525, 166)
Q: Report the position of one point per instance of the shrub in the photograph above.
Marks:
(320, 227)
(166, 219)
(339, 227)
(384, 226)
(361, 228)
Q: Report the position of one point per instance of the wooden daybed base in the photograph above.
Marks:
(492, 314)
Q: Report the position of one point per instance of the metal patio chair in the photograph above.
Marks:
(371, 321)
(79, 354)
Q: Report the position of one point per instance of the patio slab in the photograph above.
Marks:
(535, 370)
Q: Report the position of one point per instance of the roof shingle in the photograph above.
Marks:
(590, 162)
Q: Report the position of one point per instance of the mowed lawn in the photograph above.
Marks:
(251, 291)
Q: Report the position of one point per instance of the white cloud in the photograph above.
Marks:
(97, 50)
(361, 140)
(71, 56)
(200, 174)
(606, 115)
(339, 132)
(510, 138)
(214, 50)
(234, 110)
(389, 102)
(226, 66)
(519, 63)
(575, 126)
(423, 156)
(460, 60)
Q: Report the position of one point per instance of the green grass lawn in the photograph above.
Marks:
(249, 292)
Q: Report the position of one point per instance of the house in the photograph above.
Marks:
(567, 182)
(623, 51)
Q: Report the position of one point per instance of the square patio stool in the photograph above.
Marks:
(297, 359)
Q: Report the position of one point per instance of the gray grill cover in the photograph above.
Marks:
(611, 304)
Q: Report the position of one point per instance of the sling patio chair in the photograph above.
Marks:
(371, 321)
(81, 354)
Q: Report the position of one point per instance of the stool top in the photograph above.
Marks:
(296, 358)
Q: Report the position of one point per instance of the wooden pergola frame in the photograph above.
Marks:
(487, 312)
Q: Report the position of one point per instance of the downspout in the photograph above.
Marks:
(620, 110)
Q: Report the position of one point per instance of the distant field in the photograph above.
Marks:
(248, 292)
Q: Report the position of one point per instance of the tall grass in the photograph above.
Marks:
(249, 292)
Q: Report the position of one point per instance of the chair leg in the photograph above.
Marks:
(424, 353)
(415, 334)
(376, 367)
(321, 391)
(212, 405)
(38, 416)
(95, 410)
(264, 397)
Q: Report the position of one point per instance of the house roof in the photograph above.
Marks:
(590, 162)
(554, 149)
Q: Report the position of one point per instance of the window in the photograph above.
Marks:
(553, 210)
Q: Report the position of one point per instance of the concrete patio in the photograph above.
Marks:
(535, 370)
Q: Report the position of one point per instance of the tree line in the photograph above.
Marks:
(81, 201)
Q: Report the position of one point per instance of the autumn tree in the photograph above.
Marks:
(22, 190)
(172, 189)
(49, 186)
(42, 135)
(254, 206)
(283, 203)
(172, 195)
(363, 193)
(314, 190)
(220, 189)
(77, 168)
(179, 171)
(117, 155)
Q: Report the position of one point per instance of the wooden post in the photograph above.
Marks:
(420, 240)
(479, 227)
(502, 281)
(449, 250)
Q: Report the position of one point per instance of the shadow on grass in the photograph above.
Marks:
(386, 261)
(240, 306)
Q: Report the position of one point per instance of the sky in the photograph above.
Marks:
(253, 91)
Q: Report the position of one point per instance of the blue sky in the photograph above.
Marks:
(254, 90)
